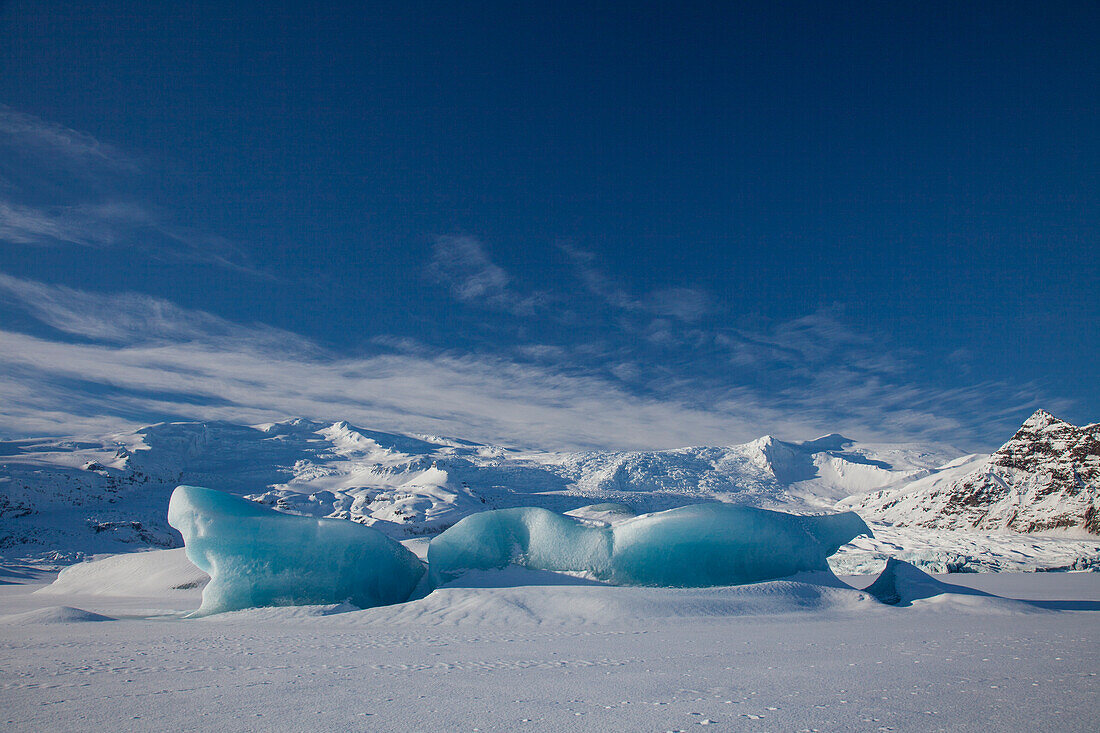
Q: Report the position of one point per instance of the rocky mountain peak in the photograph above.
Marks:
(1040, 419)
(1046, 444)
(1046, 477)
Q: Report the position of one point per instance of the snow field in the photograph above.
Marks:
(799, 654)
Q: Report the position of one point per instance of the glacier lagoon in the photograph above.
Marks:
(257, 556)
(688, 547)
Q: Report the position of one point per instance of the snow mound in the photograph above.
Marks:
(281, 614)
(574, 602)
(52, 615)
(259, 557)
(143, 574)
(901, 584)
(693, 546)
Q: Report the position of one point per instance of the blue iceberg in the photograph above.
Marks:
(256, 556)
(688, 547)
(530, 536)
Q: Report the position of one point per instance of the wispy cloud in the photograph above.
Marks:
(225, 371)
(463, 265)
(121, 360)
(132, 318)
(685, 304)
(681, 303)
(60, 143)
(63, 187)
(102, 224)
(595, 281)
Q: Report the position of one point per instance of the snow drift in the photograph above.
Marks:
(151, 574)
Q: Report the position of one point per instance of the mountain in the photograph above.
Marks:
(67, 498)
(1046, 478)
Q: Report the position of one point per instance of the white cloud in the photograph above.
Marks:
(59, 143)
(143, 359)
(463, 265)
(64, 187)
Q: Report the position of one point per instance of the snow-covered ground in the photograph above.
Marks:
(965, 551)
(109, 648)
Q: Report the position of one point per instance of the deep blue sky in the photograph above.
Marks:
(734, 218)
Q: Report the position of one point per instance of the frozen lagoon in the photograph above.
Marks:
(577, 656)
(109, 645)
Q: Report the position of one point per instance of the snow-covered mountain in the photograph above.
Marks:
(63, 499)
(1046, 478)
(75, 497)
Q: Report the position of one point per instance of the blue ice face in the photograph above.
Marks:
(719, 544)
(533, 537)
(692, 546)
(259, 557)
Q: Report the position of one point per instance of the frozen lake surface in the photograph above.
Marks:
(550, 652)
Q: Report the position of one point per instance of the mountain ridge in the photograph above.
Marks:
(1046, 477)
(67, 498)
(55, 491)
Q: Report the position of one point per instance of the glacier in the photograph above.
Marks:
(256, 556)
(687, 547)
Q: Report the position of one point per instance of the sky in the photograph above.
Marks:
(597, 225)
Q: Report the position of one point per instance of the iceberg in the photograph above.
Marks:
(256, 556)
(721, 544)
(532, 537)
(688, 547)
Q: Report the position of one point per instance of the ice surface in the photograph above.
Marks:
(780, 655)
(259, 557)
(721, 544)
(693, 546)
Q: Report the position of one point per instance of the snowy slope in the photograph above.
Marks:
(72, 498)
(1045, 478)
